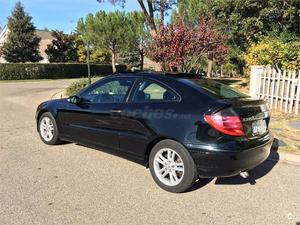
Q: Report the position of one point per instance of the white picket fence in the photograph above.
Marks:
(280, 88)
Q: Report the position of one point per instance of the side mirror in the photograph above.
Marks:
(74, 99)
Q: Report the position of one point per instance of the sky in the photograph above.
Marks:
(60, 14)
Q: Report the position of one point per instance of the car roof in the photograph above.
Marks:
(161, 75)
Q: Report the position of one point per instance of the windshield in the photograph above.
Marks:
(214, 88)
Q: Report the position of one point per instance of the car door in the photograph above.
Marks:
(149, 106)
(93, 120)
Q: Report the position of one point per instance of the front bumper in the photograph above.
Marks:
(226, 164)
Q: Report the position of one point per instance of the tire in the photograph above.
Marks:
(49, 123)
(181, 163)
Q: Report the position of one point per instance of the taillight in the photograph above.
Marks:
(226, 121)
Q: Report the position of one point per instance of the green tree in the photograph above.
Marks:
(96, 55)
(100, 56)
(131, 58)
(107, 31)
(273, 51)
(244, 21)
(138, 37)
(81, 51)
(63, 48)
(22, 45)
(148, 9)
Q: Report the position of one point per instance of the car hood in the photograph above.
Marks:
(52, 103)
(56, 101)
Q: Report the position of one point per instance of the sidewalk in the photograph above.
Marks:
(284, 157)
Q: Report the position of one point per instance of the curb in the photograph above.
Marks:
(284, 157)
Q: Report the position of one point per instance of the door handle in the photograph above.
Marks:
(116, 111)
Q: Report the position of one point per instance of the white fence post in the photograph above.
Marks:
(276, 85)
(298, 94)
(255, 80)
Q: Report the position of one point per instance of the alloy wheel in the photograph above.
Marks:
(168, 167)
(46, 129)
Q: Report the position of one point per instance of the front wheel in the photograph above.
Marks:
(172, 167)
(48, 129)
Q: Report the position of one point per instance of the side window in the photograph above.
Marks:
(150, 91)
(112, 91)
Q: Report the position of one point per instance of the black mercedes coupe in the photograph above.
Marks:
(181, 126)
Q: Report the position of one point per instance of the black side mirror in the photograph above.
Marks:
(74, 99)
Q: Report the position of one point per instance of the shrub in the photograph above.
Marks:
(20, 71)
(78, 85)
(274, 52)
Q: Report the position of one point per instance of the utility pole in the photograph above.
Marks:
(88, 60)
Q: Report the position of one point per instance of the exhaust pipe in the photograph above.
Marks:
(244, 174)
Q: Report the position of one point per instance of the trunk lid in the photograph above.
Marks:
(254, 114)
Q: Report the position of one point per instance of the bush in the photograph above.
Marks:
(78, 85)
(22, 71)
(274, 52)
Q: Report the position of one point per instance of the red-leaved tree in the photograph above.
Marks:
(176, 44)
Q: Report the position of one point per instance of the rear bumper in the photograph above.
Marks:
(226, 164)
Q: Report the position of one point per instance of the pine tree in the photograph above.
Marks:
(63, 48)
(22, 45)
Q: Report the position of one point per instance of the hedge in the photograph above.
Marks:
(22, 71)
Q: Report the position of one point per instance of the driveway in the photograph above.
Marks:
(72, 184)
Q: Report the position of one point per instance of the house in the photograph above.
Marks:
(46, 38)
(3, 35)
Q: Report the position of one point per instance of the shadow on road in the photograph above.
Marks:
(65, 143)
(200, 183)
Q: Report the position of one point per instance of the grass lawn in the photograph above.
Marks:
(286, 128)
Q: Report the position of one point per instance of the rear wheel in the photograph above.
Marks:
(172, 167)
(48, 129)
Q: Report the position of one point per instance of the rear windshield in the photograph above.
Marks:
(214, 88)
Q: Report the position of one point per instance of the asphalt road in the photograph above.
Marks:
(71, 184)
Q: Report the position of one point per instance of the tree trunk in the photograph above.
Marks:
(222, 68)
(142, 60)
(162, 14)
(209, 68)
(88, 61)
(149, 16)
(113, 61)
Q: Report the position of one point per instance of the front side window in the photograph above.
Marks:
(112, 91)
(150, 91)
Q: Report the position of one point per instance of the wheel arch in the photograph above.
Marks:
(38, 116)
(152, 144)
(40, 113)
